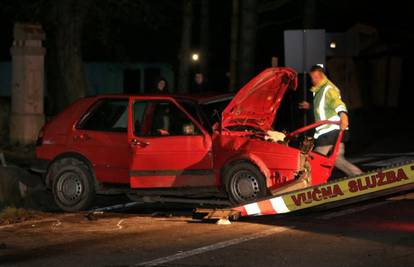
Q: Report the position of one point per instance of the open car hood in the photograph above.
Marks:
(256, 104)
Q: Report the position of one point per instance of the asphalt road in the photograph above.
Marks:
(379, 233)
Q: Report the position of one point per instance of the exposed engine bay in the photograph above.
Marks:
(304, 174)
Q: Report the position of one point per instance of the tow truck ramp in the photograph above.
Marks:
(369, 185)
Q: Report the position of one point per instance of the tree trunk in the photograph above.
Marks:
(204, 36)
(234, 45)
(184, 67)
(247, 40)
(66, 80)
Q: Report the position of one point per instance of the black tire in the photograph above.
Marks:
(244, 182)
(73, 185)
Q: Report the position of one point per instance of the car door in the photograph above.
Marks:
(169, 148)
(101, 136)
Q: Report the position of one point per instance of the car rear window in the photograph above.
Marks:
(108, 115)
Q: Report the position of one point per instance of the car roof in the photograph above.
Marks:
(204, 98)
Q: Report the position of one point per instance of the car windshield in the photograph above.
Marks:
(207, 114)
(213, 110)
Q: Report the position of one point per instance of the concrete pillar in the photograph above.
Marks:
(27, 83)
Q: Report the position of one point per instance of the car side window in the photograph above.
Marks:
(107, 115)
(161, 118)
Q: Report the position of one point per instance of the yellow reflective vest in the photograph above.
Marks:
(327, 104)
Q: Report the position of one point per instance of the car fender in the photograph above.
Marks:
(254, 159)
(72, 154)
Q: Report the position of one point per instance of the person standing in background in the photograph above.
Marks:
(161, 86)
(199, 84)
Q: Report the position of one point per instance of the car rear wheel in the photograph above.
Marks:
(73, 185)
(244, 183)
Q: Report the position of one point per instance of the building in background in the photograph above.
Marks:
(367, 69)
(103, 78)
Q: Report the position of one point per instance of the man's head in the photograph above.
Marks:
(199, 78)
(317, 74)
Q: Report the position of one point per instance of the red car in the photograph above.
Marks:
(177, 146)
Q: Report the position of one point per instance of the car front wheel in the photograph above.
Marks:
(72, 184)
(244, 183)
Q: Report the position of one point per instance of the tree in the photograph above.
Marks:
(65, 21)
(204, 35)
(234, 44)
(65, 70)
(309, 13)
(247, 40)
(184, 60)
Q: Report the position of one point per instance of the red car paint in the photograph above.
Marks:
(168, 161)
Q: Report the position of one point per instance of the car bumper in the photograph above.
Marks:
(39, 166)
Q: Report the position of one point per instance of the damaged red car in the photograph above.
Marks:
(186, 146)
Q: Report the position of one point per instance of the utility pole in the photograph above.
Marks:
(27, 83)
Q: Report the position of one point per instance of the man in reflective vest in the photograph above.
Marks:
(328, 105)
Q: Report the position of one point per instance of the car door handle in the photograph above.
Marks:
(137, 142)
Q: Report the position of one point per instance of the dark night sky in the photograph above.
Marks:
(129, 40)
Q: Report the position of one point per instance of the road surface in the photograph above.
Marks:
(378, 233)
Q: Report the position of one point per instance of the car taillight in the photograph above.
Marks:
(39, 140)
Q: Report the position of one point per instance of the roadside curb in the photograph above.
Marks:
(408, 196)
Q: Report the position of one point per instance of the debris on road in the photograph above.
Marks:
(116, 207)
(223, 222)
(57, 223)
(119, 224)
(20, 188)
(216, 214)
(92, 216)
(12, 215)
(161, 214)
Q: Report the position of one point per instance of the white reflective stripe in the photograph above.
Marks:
(333, 118)
(252, 209)
(279, 205)
(322, 115)
(340, 108)
(326, 130)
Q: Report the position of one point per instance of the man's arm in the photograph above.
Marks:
(344, 120)
(339, 106)
(335, 100)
